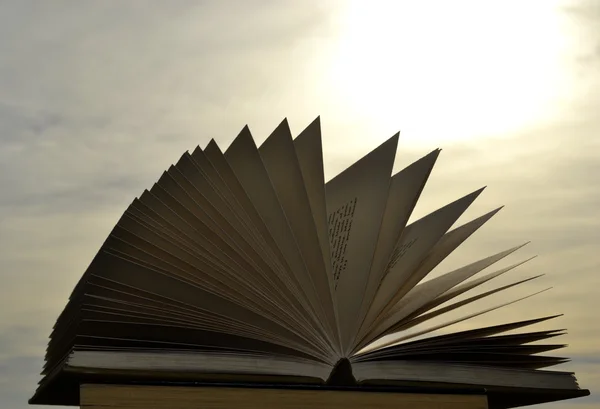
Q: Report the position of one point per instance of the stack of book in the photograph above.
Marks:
(242, 278)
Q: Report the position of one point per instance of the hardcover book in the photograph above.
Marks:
(244, 268)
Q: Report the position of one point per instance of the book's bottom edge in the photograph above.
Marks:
(63, 387)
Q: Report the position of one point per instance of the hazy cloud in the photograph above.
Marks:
(98, 98)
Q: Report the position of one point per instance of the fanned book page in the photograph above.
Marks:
(243, 266)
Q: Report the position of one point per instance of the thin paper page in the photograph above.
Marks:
(245, 161)
(200, 190)
(429, 290)
(444, 247)
(464, 287)
(309, 151)
(251, 216)
(356, 201)
(159, 244)
(405, 188)
(416, 242)
(279, 158)
(220, 194)
(150, 279)
(456, 321)
(230, 205)
(443, 283)
(405, 324)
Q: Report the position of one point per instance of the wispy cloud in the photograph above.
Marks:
(99, 97)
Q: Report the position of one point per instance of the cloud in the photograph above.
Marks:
(98, 98)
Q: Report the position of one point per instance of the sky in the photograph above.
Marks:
(97, 98)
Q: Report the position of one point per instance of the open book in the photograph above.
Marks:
(243, 266)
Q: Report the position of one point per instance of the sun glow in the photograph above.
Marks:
(450, 71)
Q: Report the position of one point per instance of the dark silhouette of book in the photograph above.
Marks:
(244, 268)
